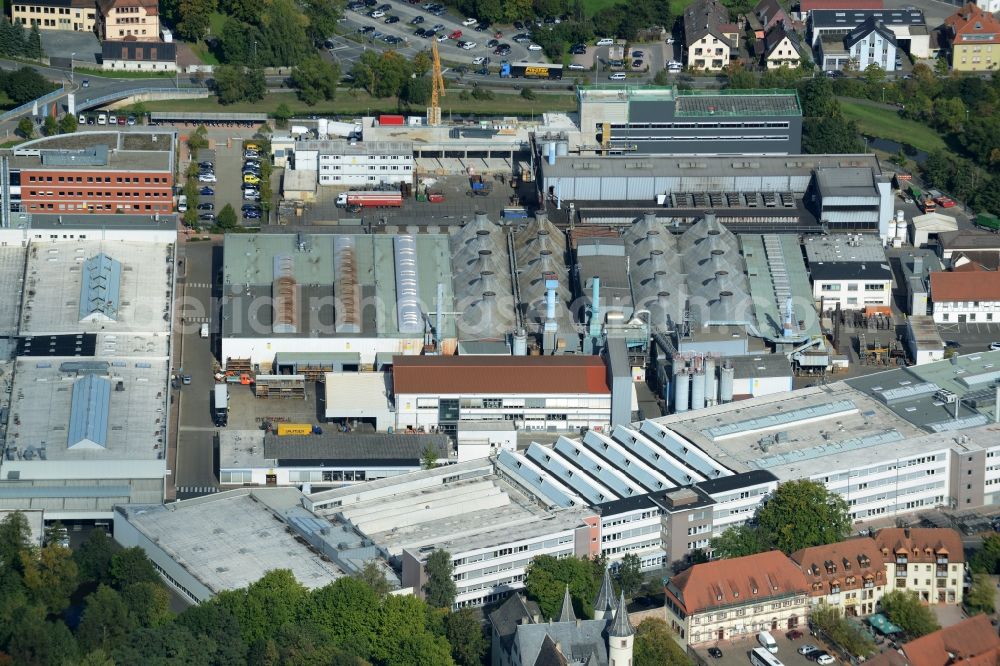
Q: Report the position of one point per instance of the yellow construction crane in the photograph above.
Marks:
(437, 88)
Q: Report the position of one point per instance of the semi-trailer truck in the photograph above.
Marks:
(220, 405)
(370, 199)
(531, 70)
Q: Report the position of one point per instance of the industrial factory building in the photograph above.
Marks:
(748, 194)
(350, 164)
(548, 393)
(348, 297)
(849, 271)
(626, 120)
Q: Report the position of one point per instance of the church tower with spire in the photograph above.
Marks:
(621, 636)
(604, 605)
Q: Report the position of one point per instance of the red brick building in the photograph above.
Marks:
(97, 179)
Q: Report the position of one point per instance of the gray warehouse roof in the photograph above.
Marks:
(703, 166)
(702, 103)
(850, 18)
(353, 448)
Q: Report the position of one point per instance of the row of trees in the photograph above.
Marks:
(50, 127)
(16, 42)
(24, 84)
(388, 74)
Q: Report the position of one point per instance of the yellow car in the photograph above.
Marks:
(251, 179)
(251, 146)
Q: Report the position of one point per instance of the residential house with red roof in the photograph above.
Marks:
(971, 642)
(737, 598)
(849, 575)
(974, 36)
(926, 560)
(965, 296)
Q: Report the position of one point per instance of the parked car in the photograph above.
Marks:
(206, 192)
(86, 83)
(605, 41)
(578, 49)
(416, 20)
(442, 38)
(638, 54)
(469, 22)
(478, 60)
(206, 206)
(637, 64)
(207, 217)
(825, 659)
(617, 76)
(419, 32)
(377, 13)
(995, 346)
(534, 47)
(131, 120)
(492, 44)
(456, 35)
(206, 178)
(468, 46)
(391, 19)
(576, 66)
(715, 653)
(807, 648)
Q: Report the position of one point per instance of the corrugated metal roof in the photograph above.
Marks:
(89, 409)
(19, 491)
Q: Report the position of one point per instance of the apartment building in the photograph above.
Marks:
(974, 34)
(927, 561)
(736, 598)
(75, 15)
(120, 20)
(848, 575)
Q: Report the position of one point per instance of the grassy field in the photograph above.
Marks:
(356, 103)
(885, 123)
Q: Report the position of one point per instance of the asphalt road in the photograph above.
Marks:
(194, 470)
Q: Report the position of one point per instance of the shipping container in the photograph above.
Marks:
(988, 221)
(391, 119)
(294, 429)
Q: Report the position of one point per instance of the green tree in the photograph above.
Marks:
(739, 541)
(195, 18)
(171, 643)
(68, 124)
(272, 601)
(421, 63)
(50, 576)
(372, 576)
(26, 128)
(429, 458)
(903, 608)
(987, 558)
(548, 576)
(15, 533)
(49, 126)
(34, 641)
(315, 79)
(33, 46)
(949, 114)
(105, 621)
(817, 99)
(979, 598)
(131, 566)
(148, 604)
(218, 631)
(482, 93)
(661, 78)
(740, 79)
(322, 17)
(26, 84)
(392, 71)
(465, 634)
(832, 134)
(97, 657)
(656, 645)
(283, 28)
(801, 514)
(527, 93)
(874, 75)
(227, 217)
(629, 575)
(344, 610)
(416, 91)
(843, 632)
(93, 557)
(282, 115)
(439, 590)
(234, 83)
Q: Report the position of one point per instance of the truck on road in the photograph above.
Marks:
(369, 200)
(220, 405)
(531, 70)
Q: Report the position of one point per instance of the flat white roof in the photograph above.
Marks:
(54, 278)
(12, 260)
(231, 539)
(357, 393)
(795, 435)
(40, 413)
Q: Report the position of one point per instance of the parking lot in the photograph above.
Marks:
(228, 188)
(737, 653)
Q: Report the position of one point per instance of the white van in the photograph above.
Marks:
(102, 119)
(182, 203)
(767, 640)
(204, 330)
(617, 76)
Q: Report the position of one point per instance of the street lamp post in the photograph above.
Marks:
(71, 56)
